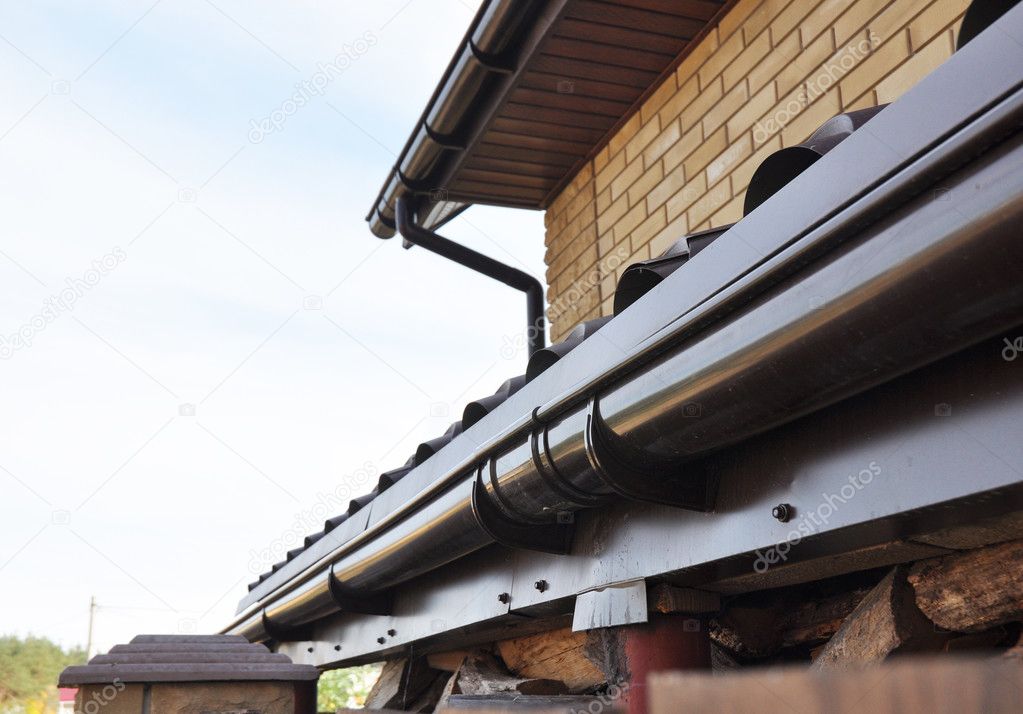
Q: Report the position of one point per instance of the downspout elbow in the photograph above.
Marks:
(512, 277)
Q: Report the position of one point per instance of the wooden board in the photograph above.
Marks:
(949, 685)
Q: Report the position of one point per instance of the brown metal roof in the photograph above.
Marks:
(511, 127)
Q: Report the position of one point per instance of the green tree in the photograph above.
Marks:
(28, 672)
(345, 687)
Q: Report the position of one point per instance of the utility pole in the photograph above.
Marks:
(92, 616)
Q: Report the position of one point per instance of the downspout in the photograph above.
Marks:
(512, 277)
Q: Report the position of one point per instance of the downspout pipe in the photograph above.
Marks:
(512, 277)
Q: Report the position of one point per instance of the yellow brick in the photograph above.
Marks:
(731, 212)
(806, 63)
(670, 184)
(655, 101)
(650, 178)
(625, 179)
(603, 200)
(855, 19)
(683, 199)
(777, 59)
(821, 19)
(709, 203)
(734, 18)
(582, 200)
(648, 229)
(625, 133)
(894, 18)
(629, 221)
(870, 71)
(686, 95)
(664, 141)
(937, 17)
(606, 175)
(608, 286)
(810, 119)
(789, 18)
(601, 159)
(916, 68)
(710, 148)
(724, 109)
(869, 99)
(668, 236)
(682, 148)
(690, 65)
(764, 15)
(751, 112)
(702, 103)
(643, 137)
(605, 243)
(747, 60)
(729, 159)
(720, 59)
(614, 212)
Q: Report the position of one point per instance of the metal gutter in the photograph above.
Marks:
(854, 231)
(483, 264)
(485, 59)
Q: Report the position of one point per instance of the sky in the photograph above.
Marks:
(201, 344)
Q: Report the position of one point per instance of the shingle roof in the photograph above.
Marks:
(187, 658)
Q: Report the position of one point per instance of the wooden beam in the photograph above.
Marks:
(571, 657)
(886, 620)
(974, 590)
(669, 599)
(482, 674)
(402, 682)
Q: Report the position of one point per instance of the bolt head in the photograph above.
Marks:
(391, 633)
(504, 598)
(540, 585)
(783, 512)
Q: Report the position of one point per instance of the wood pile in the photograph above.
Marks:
(961, 602)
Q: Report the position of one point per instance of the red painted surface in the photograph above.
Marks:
(67, 694)
(666, 642)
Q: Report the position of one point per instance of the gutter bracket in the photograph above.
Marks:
(546, 538)
(666, 487)
(283, 633)
(494, 63)
(381, 603)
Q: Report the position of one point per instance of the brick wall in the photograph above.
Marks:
(766, 77)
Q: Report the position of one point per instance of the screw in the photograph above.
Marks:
(381, 640)
(337, 648)
(391, 633)
(309, 649)
(783, 512)
(540, 585)
(504, 598)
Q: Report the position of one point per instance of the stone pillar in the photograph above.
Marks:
(194, 674)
